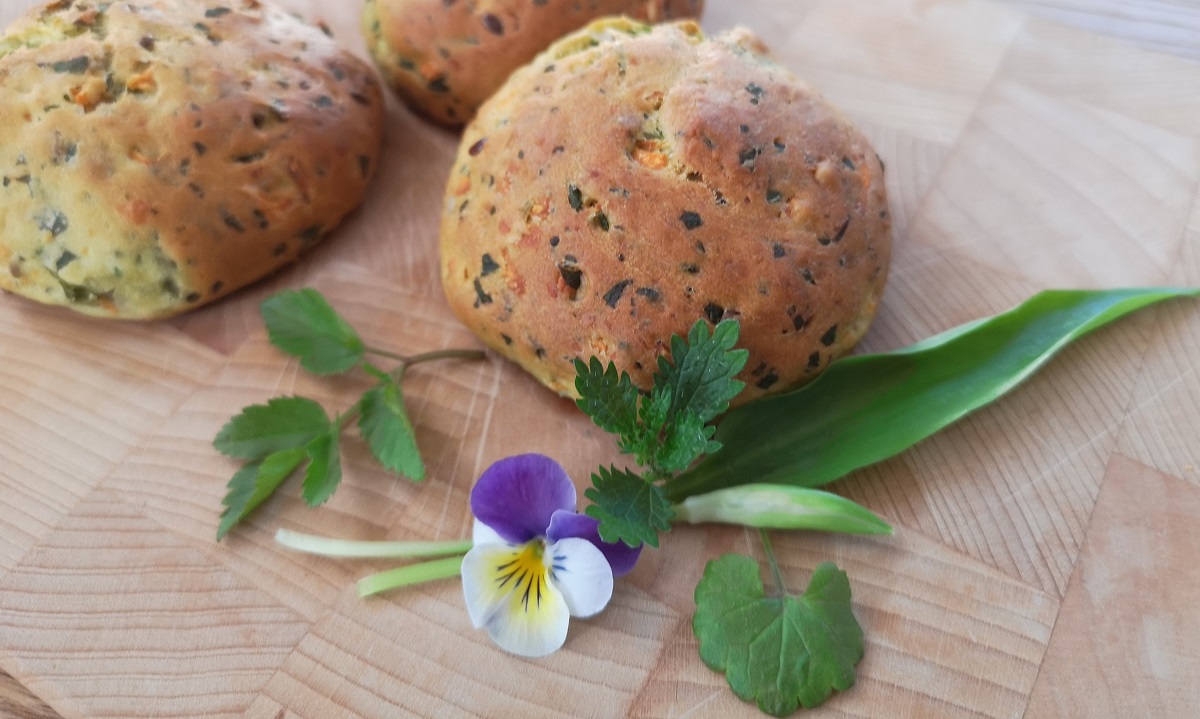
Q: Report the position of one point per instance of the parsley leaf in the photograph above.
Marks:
(629, 508)
(384, 423)
(777, 650)
(286, 431)
(254, 482)
(302, 323)
(324, 471)
(262, 429)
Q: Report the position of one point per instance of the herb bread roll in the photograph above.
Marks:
(159, 154)
(445, 57)
(634, 179)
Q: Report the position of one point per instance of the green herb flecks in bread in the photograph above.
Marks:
(160, 154)
(445, 57)
(633, 179)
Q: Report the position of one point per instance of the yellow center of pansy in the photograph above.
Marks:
(524, 574)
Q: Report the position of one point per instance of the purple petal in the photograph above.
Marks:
(567, 523)
(518, 495)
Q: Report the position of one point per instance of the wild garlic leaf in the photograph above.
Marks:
(777, 651)
(261, 429)
(701, 370)
(866, 408)
(385, 425)
(254, 482)
(609, 399)
(630, 509)
(302, 323)
(324, 472)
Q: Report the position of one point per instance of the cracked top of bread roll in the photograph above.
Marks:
(445, 57)
(632, 180)
(159, 154)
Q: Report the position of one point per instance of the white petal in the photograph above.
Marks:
(507, 590)
(483, 534)
(579, 570)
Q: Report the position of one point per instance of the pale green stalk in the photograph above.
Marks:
(330, 547)
(777, 506)
(407, 576)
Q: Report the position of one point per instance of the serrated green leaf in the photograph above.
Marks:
(701, 370)
(866, 408)
(385, 425)
(303, 324)
(777, 651)
(629, 508)
(262, 429)
(646, 442)
(254, 482)
(324, 472)
(610, 400)
(684, 440)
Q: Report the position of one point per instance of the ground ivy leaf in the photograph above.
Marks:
(778, 651)
(302, 323)
(629, 508)
(701, 370)
(610, 400)
(262, 429)
(385, 425)
(324, 472)
(254, 482)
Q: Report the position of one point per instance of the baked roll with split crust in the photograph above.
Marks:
(634, 179)
(162, 153)
(445, 57)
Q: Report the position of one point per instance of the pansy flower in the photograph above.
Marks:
(535, 562)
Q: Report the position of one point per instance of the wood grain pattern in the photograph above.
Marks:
(1043, 563)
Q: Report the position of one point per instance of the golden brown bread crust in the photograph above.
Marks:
(633, 180)
(445, 57)
(162, 153)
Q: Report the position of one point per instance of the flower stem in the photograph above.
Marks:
(771, 559)
(407, 576)
(330, 547)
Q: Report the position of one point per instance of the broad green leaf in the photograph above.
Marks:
(629, 508)
(867, 408)
(782, 650)
(779, 506)
(254, 482)
(324, 472)
(261, 429)
(384, 423)
(302, 323)
(610, 400)
(701, 370)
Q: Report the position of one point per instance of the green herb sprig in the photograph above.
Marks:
(665, 430)
(279, 437)
(777, 649)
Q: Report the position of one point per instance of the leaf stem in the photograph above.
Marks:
(332, 547)
(407, 576)
(385, 353)
(773, 561)
(428, 356)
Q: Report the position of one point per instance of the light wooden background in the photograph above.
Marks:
(1044, 563)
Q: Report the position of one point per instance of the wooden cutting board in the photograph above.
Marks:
(1044, 561)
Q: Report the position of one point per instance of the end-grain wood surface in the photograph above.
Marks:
(1044, 561)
